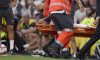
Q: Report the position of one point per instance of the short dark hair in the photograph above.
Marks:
(89, 7)
(93, 11)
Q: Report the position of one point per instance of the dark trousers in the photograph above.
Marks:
(62, 21)
(93, 40)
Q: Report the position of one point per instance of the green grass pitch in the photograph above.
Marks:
(19, 57)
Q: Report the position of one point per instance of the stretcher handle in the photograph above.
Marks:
(43, 24)
(74, 26)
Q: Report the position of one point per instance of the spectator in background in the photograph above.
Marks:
(85, 2)
(80, 13)
(34, 7)
(37, 17)
(92, 3)
(88, 10)
(76, 6)
(90, 18)
(81, 41)
(27, 30)
(37, 13)
(25, 8)
(18, 9)
(37, 2)
(95, 37)
(3, 34)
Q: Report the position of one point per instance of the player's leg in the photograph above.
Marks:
(74, 46)
(8, 14)
(45, 40)
(10, 30)
(33, 41)
(33, 37)
(33, 47)
(26, 38)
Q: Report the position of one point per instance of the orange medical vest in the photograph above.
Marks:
(60, 5)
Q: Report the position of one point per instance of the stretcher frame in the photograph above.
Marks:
(78, 31)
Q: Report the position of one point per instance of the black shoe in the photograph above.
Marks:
(37, 54)
(65, 54)
(48, 54)
(55, 53)
(12, 52)
(55, 49)
(80, 56)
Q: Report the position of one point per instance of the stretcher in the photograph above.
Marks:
(78, 31)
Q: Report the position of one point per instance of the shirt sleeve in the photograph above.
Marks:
(32, 23)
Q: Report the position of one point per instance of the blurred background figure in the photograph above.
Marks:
(27, 30)
(26, 13)
(80, 13)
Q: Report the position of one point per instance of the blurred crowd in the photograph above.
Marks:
(28, 12)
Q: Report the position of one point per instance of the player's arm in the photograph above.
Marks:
(13, 3)
(44, 19)
(30, 30)
(47, 17)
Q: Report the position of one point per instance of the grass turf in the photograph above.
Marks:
(19, 57)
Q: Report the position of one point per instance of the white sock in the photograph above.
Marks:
(26, 45)
(11, 44)
(43, 53)
(74, 55)
(36, 50)
(65, 49)
(39, 51)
